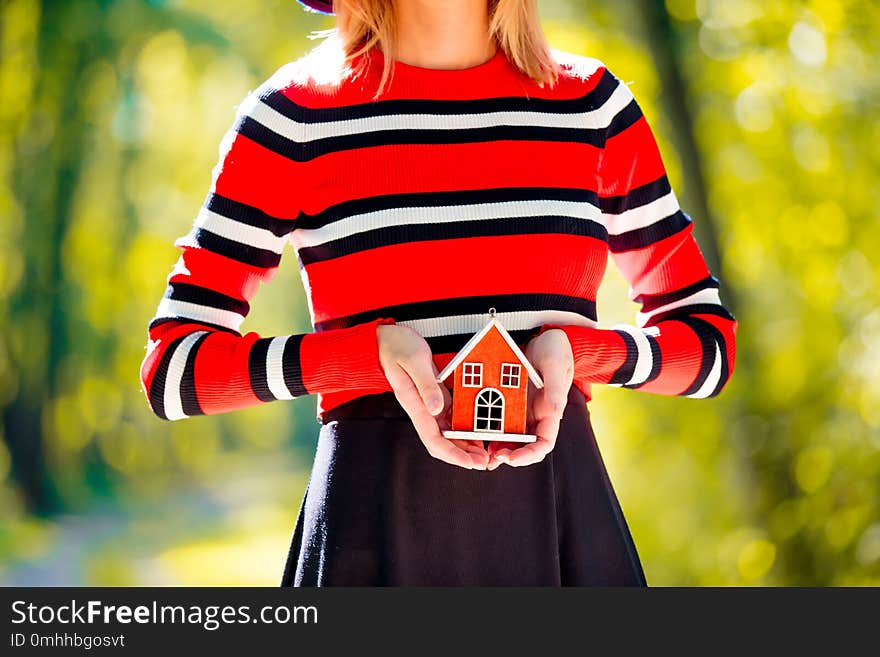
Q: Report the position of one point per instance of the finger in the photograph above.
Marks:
(425, 424)
(423, 372)
(499, 451)
(557, 377)
(530, 410)
(529, 454)
(444, 419)
(439, 446)
(473, 444)
(475, 448)
(553, 396)
(496, 446)
(547, 430)
(447, 397)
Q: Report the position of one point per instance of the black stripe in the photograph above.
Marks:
(599, 95)
(690, 309)
(637, 197)
(249, 215)
(291, 364)
(188, 395)
(722, 347)
(249, 255)
(257, 370)
(204, 296)
(158, 321)
(306, 151)
(453, 306)
(656, 362)
(707, 342)
(651, 301)
(624, 119)
(592, 100)
(157, 386)
(446, 230)
(650, 234)
(625, 372)
(414, 200)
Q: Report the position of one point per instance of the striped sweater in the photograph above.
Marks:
(453, 192)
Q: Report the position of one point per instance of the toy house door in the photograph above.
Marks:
(489, 411)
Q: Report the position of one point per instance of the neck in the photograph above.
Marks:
(443, 34)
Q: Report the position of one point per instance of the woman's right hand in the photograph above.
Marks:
(409, 367)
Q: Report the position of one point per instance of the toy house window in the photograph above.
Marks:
(472, 375)
(489, 415)
(510, 375)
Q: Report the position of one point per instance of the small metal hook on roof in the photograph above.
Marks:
(492, 312)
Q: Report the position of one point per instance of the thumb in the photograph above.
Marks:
(422, 373)
(553, 397)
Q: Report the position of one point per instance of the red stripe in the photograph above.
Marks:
(682, 355)
(438, 269)
(221, 274)
(328, 400)
(728, 329)
(254, 175)
(632, 159)
(222, 378)
(164, 334)
(666, 265)
(406, 168)
(328, 359)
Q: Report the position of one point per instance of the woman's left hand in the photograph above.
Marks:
(551, 355)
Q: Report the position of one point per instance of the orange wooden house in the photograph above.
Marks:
(490, 389)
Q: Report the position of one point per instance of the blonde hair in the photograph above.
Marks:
(513, 24)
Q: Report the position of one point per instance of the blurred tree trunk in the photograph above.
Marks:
(664, 42)
(45, 179)
(45, 176)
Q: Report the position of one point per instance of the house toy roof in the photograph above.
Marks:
(475, 340)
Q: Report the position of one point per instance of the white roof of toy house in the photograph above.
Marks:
(475, 340)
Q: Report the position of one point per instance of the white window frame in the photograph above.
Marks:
(475, 371)
(501, 406)
(516, 373)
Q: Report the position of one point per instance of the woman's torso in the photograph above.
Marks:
(458, 191)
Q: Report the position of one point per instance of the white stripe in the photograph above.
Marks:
(442, 214)
(238, 232)
(275, 368)
(600, 118)
(186, 310)
(176, 365)
(708, 295)
(616, 103)
(711, 380)
(644, 355)
(512, 321)
(641, 216)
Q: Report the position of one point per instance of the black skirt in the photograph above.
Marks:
(380, 511)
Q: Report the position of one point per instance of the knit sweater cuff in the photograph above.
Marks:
(598, 353)
(342, 359)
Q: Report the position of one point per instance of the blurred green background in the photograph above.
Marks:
(111, 114)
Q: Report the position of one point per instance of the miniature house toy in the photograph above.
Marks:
(490, 388)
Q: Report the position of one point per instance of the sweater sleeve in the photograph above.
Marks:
(683, 341)
(197, 361)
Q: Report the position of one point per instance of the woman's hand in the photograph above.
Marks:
(409, 367)
(551, 354)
